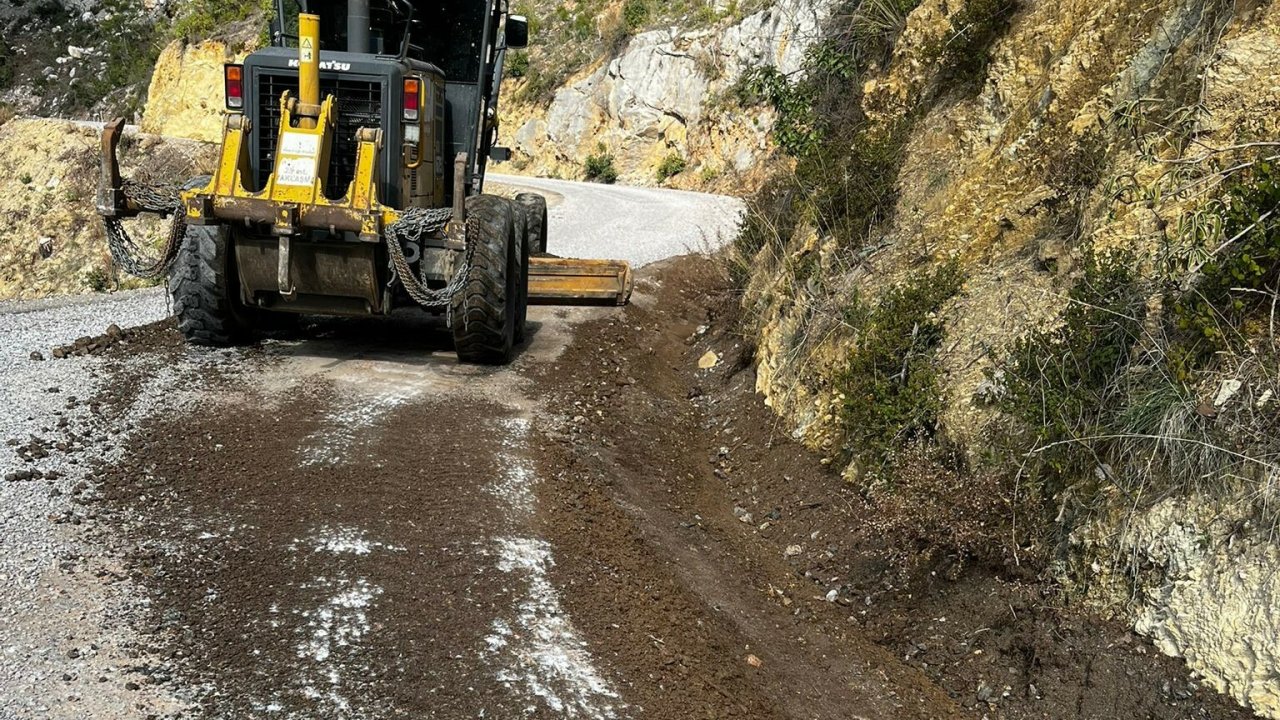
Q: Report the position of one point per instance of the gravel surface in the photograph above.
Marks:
(352, 525)
(63, 649)
(640, 225)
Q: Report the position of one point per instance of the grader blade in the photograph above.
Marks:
(569, 281)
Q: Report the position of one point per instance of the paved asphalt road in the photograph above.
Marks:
(640, 225)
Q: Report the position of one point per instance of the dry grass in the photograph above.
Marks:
(938, 505)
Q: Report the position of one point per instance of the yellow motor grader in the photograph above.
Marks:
(351, 181)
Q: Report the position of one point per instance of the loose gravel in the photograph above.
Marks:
(65, 649)
(73, 643)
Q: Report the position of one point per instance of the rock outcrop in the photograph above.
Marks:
(185, 99)
(1049, 155)
(660, 96)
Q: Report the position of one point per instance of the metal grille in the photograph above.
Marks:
(358, 105)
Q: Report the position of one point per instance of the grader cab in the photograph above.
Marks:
(351, 181)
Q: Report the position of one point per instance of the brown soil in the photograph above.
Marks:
(714, 568)
(119, 343)
(676, 495)
(237, 479)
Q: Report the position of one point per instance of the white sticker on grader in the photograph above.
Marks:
(299, 172)
(303, 144)
(297, 166)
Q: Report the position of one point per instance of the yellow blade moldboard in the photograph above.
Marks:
(569, 281)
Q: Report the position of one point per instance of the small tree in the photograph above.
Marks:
(671, 165)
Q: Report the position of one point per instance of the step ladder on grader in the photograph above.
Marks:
(351, 181)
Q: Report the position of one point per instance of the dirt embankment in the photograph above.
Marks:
(746, 568)
(51, 239)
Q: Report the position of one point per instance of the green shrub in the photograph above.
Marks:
(1237, 281)
(635, 14)
(796, 130)
(600, 168)
(98, 280)
(518, 64)
(202, 19)
(889, 388)
(1069, 382)
(771, 218)
(876, 24)
(671, 165)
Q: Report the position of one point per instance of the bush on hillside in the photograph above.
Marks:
(600, 168)
(671, 165)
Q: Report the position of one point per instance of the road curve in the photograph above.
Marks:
(333, 525)
(639, 225)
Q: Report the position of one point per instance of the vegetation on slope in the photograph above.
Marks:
(1130, 393)
(58, 60)
(568, 37)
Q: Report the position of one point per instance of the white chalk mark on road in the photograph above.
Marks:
(538, 650)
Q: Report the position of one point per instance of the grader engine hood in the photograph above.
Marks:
(368, 93)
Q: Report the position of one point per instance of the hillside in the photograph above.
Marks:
(1017, 279)
(644, 90)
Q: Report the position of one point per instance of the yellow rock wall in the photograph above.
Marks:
(186, 96)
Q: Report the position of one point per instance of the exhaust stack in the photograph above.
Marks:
(358, 26)
(308, 70)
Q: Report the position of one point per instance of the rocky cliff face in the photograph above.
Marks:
(1093, 129)
(185, 95)
(662, 96)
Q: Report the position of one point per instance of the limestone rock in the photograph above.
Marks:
(186, 95)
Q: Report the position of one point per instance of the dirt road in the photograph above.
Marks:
(348, 524)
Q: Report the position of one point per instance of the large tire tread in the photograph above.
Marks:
(203, 287)
(483, 312)
(535, 207)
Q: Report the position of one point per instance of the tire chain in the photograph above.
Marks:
(412, 225)
(125, 253)
(166, 200)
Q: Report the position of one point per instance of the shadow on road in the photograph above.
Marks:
(409, 339)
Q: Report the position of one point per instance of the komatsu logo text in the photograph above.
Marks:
(326, 65)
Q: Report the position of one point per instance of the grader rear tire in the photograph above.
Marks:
(523, 246)
(205, 289)
(535, 207)
(484, 312)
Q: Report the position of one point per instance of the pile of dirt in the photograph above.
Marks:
(663, 465)
(156, 336)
